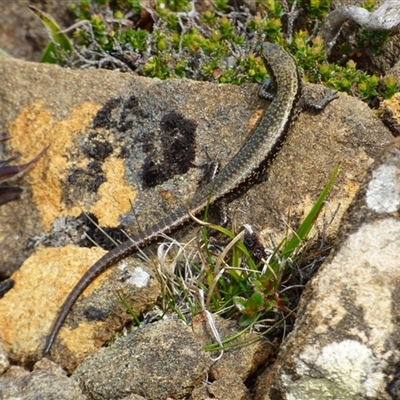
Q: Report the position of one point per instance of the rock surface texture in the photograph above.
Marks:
(346, 341)
(116, 138)
(164, 353)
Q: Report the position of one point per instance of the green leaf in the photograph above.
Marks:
(60, 41)
(240, 303)
(258, 299)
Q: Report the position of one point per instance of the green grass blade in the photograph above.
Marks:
(4, 53)
(59, 39)
(129, 309)
(304, 229)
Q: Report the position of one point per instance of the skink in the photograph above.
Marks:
(244, 169)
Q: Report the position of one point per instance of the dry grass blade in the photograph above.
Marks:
(11, 172)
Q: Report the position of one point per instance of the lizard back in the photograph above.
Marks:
(243, 169)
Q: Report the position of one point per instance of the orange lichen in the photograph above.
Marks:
(115, 196)
(34, 129)
(34, 310)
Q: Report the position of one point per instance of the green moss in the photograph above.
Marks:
(372, 40)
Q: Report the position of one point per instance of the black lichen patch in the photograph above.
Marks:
(124, 152)
(119, 113)
(179, 141)
(103, 236)
(129, 114)
(98, 150)
(131, 107)
(177, 151)
(87, 180)
(82, 182)
(95, 314)
(169, 148)
(103, 118)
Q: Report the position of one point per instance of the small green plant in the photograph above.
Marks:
(233, 282)
(318, 8)
(266, 294)
(60, 44)
(351, 80)
(372, 40)
(310, 56)
(217, 45)
(316, 69)
(391, 86)
(221, 5)
(369, 5)
(273, 7)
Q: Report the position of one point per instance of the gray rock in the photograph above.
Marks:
(228, 387)
(47, 381)
(346, 341)
(252, 356)
(158, 361)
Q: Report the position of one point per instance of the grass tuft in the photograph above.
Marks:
(261, 294)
